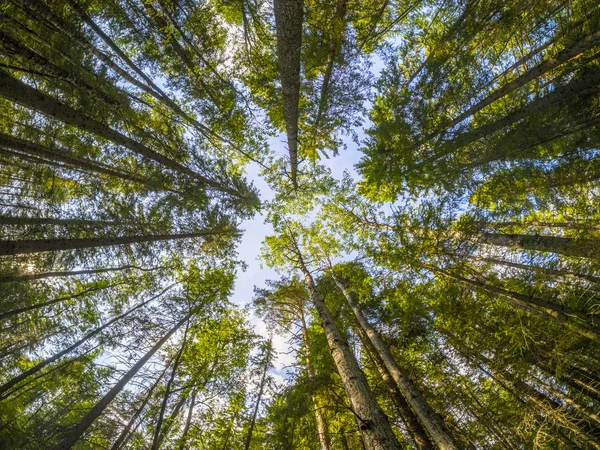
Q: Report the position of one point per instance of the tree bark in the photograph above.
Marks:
(39, 366)
(72, 273)
(560, 58)
(22, 247)
(577, 321)
(263, 380)
(416, 430)
(582, 248)
(541, 270)
(188, 421)
(288, 23)
(157, 432)
(73, 436)
(55, 154)
(121, 440)
(19, 92)
(374, 426)
(338, 24)
(322, 428)
(588, 84)
(432, 421)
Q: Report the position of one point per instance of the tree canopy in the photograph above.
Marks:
(442, 293)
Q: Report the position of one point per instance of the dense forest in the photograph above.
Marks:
(443, 293)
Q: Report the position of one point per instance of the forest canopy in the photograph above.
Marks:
(441, 293)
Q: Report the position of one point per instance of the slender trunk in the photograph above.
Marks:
(170, 420)
(560, 58)
(259, 398)
(288, 24)
(14, 312)
(558, 35)
(432, 421)
(541, 270)
(584, 411)
(416, 430)
(188, 421)
(45, 14)
(588, 84)
(56, 154)
(47, 69)
(39, 366)
(22, 247)
(74, 435)
(162, 25)
(338, 28)
(19, 92)
(23, 221)
(373, 423)
(577, 321)
(157, 431)
(120, 442)
(543, 411)
(344, 440)
(374, 21)
(72, 273)
(150, 88)
(115, 48)
(582, 248)
(322, 428)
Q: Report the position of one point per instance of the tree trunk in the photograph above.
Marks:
(157, 431)
(588, 84)
(557, 36)
(150, 88)
(73, 436)
(338, 28)
(188, 421)
(288, 23)
(432, 421)
(121, 440)
(162, 25)
(22, 247)
(577, 321)
(19, 92)
(374, 425)
(582, 248)
(542, 270)
(24, 221)
(41, 276)
(560, 58)
(322, 428)
(14, 312)
(259, 398)
(39, 366)
(416, 430)
(63, 156)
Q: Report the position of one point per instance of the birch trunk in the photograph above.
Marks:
(416, 430)
(433, 422)
(373, 423)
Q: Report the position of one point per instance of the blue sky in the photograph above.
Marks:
(254, 234)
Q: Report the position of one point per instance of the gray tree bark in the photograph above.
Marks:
(432, 421)
(373, 423)
(288, 23)
(74, 435)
